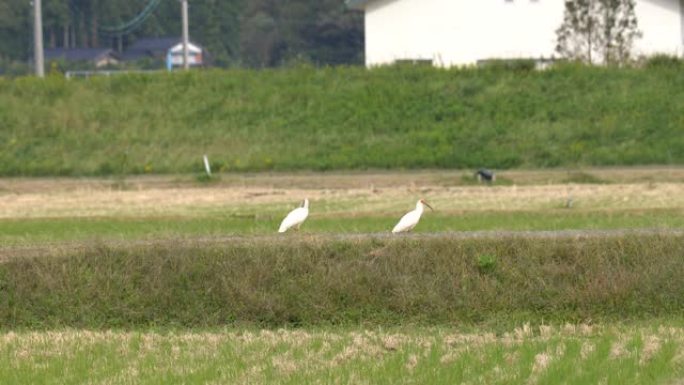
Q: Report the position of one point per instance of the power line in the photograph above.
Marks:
(126, 27)
(134, 23)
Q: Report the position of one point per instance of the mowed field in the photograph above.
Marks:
(568, 354)
(56, 210)
(545, 277)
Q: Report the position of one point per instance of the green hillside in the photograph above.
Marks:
(342, 118)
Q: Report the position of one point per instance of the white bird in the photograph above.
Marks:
(410, 219)
(295, 218)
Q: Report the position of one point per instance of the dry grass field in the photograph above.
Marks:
(566, 354)
(341, 194)
(49, 211)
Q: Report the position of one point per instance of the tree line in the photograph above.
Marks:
(249, 33)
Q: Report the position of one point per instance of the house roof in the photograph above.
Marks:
(178, 48)
(78, 54)
(151, 47)
(357, 4)
(155, 43)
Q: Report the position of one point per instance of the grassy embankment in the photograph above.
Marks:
(342, 118)
(325, 280)
(385, 310)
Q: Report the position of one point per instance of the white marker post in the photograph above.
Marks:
(207, 166)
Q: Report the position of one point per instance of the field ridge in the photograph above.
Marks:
(308, 281)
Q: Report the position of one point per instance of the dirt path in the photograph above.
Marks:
(353, 179)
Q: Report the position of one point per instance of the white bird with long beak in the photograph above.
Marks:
(410, 219)
(295, 218)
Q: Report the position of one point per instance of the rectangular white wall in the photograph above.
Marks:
(458, 32)
(662, 23)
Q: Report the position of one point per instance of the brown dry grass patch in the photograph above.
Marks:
(92, 198)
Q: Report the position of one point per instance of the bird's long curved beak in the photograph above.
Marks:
(426, 204)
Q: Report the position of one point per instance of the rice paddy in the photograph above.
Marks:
(603, 316)
(565, 354)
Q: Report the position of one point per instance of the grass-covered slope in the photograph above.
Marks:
(313, 280)
(342, 118)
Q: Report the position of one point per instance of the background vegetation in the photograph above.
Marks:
(343, 118)
(255, 33)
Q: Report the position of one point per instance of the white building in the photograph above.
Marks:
(169, 49)
(174, 57)
(457, 32)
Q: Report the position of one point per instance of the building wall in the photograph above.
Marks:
(456, 32)
(662, 25)
(105, 61)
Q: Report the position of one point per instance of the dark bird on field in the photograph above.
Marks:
(485, 175)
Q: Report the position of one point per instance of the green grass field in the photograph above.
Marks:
(30, 231)
(170, 280)
(340, 203)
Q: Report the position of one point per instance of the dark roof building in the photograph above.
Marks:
(97, 56)
(152, 47)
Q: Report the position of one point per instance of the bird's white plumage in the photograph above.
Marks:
(207, 166)
(295, 218)
(410, 219)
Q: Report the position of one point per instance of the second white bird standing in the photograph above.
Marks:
(295, 218)
(410, 219)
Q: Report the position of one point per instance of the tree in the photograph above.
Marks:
(598, 31)
(261, 36)
(253, 33)
(337, 37)
(15, 29)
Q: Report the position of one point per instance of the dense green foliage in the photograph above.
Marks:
(235, 32)
(342, 118)
(327, 280)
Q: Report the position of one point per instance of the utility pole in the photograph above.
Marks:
(38, 58)
(186, 38)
